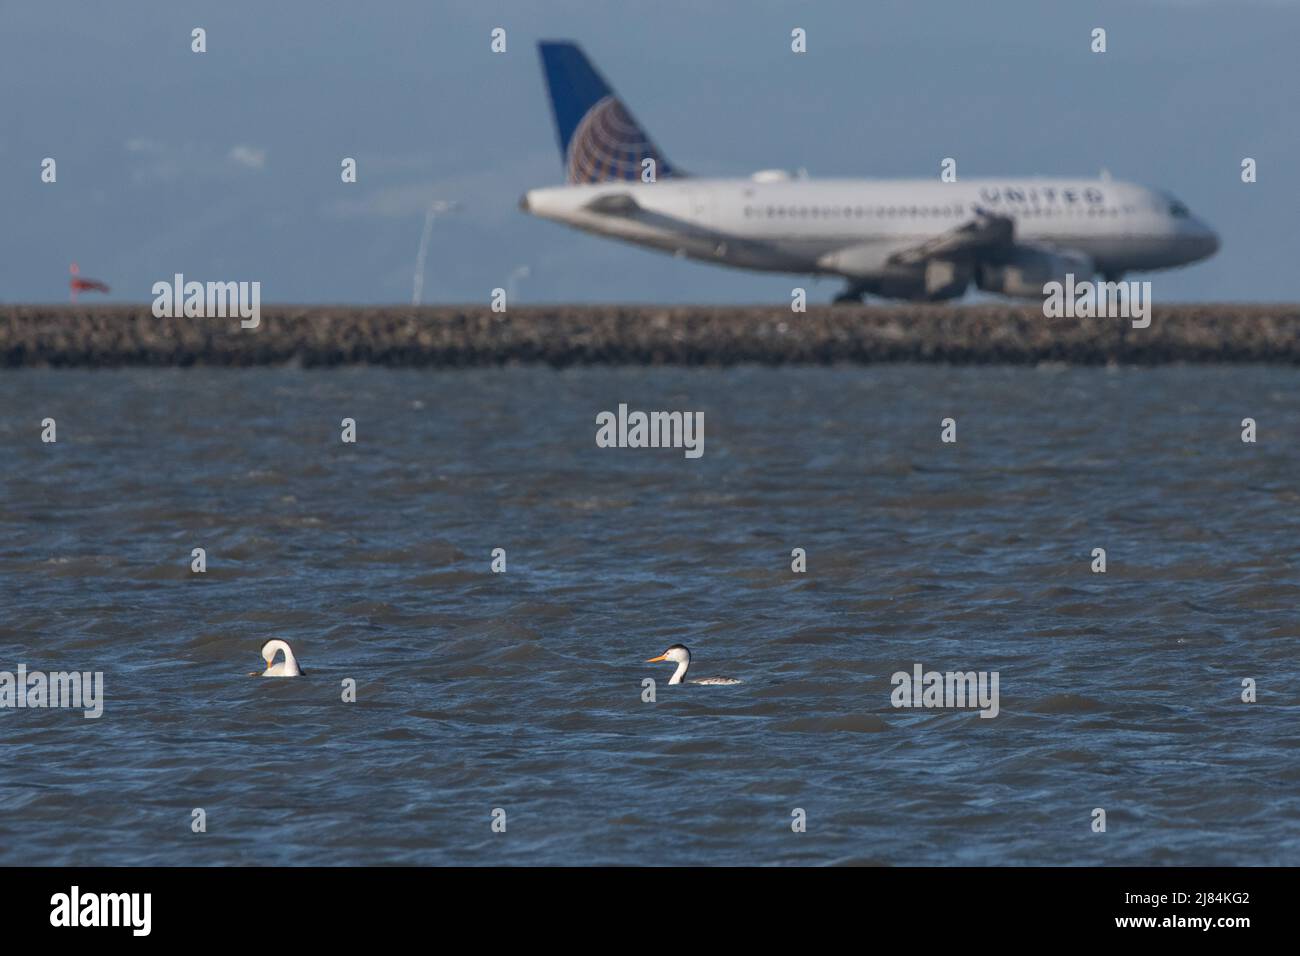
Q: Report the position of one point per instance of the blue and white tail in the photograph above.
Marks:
(600, 140)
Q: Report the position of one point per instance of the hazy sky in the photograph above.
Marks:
(225, 165)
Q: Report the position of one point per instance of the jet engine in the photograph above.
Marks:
(1025, 271)
(945, 280)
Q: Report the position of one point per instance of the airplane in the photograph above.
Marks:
(915, 239)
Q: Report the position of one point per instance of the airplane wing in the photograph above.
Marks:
(987, 231)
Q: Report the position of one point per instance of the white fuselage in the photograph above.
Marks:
(852, 227)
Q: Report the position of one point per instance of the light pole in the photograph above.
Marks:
(521, 272)
(435, 207)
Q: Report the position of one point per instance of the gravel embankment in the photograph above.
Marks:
(631, 334)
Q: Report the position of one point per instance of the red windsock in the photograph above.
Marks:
(87, 285)
(78, 284)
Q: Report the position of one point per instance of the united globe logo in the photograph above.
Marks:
(608, 144)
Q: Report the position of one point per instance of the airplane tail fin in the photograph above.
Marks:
(600, 140)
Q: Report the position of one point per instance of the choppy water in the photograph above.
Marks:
(523, 690)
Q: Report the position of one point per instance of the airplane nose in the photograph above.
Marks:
(1207, 243)
(1197, 239)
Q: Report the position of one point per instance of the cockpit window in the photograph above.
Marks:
(1178, 210)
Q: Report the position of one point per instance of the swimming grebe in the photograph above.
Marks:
(679, 654)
